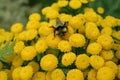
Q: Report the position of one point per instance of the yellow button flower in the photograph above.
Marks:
(92, 74)
(34, 65)
(62, 3)
(106, 30)
(82, 61)
(48, 62)
(64, 46)
(3, 75)
(57, 74)
(28, 53)
(68, 58)
(100, 10)
(16, 28)
(75, 4)
(75, 74)
(77, 40)
(16, 73)
(96, 61)
(52, 14)
(84, 1)
(94, 48)
(35, 17)
(117, 54)
(26, 73)
(41, 46)
(91, 31)
(39, 76)
(105, 73)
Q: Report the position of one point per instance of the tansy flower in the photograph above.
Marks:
(118, 74)
(106, 41)
(34, 65)
(92, 74)
(82, 61)
(62, 3)
(91, 31)
(49, 62)
(34, 17)
(17, 61)
(105, 73)
(28, 53)
(41, 46)
(52, 41)
(46, 9)
(75, 74)
(91, 16)
(55, 6)
(100, 10)
(75, 22)
(106, 30)
(39, 76)
(65, 17)
(18, 47)
(64, 46)
(26, 73)
(16, 73)
(117, 54)
(3, 75)
(75, 4)
(48, 75)
(77, 40)
(96, 61)
(45, 29)
(116, 46)
(32, 24)
(107, 54)
(16, 28)
(94, 48)
(112, 65)
(68, 58)
(57, 74)
(52, 14)
(116, 34)
(84, 1)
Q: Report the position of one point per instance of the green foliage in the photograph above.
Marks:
(7, 50)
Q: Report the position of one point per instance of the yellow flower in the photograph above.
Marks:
(96, 61)
(76, 22)
(57, 74)
(3, 75)
(77, 40)
(62, 3)
(48, 75)
(16, 73)
(116, 34)
(26, 73)
(52, 14)
(112, 65)
(16, 28)
(41, 46)
(18, 47)
(68, 58)
(49, 62)
(28, 53)
(92, 74)
(116, 46)
(55, 6)
(65, 17)
(91, 16)
(106, 41)
(32, 24)
(39, 76)
(34, 65)
(45, 29)
(106, 30)
(75, 74)
(91, 31)
(94, 48)
(75, 4)
(52, 41)
(64, 46)
(105, 73)
(100, 10)
(17, 61)
(46, 9)
(84, 1)
(117, 54)
(118, 75)
(1, 65)
(107, 54)
(82, 61)
(35, 17)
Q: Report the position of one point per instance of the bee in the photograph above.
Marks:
(60, 28)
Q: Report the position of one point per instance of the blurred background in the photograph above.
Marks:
(12, 11)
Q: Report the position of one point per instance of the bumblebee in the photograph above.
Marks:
(60, 28)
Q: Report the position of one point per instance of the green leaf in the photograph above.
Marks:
(2, 59)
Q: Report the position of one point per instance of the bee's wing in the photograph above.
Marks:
(59, 22)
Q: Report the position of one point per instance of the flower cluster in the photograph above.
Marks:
(90, 48)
